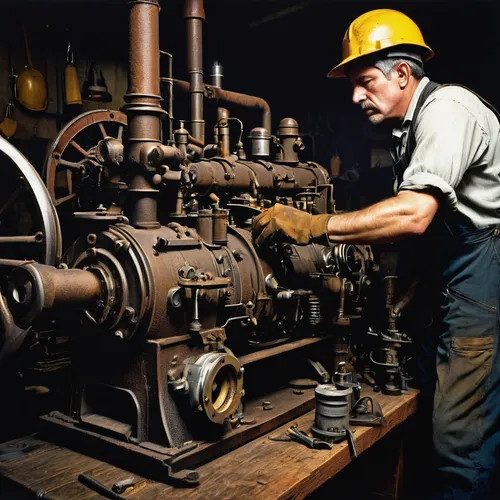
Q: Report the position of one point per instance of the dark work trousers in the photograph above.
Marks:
(460, 368)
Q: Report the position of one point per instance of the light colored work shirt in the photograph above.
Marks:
(457, 152)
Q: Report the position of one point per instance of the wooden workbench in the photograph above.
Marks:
(260, 469)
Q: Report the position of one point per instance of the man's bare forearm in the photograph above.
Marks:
(408, 213)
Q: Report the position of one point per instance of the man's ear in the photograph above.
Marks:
(403, 72)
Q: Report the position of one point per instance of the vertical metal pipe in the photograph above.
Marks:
(143, 109)
(223, 139)
(195, 15)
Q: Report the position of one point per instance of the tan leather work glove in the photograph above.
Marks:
(289, 224)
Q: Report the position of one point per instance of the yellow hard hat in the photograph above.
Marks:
(378, 30)
(31, 90)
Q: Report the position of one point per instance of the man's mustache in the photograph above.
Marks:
(368, 105)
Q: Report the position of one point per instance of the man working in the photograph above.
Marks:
(448, 191)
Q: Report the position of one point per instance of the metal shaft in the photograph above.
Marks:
(195, 15)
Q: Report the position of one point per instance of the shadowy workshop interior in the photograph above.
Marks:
(139, 312)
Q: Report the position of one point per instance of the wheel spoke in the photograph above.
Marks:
(103, 131)
(64, 199)
(79, 148)
(69, 164)
(34, 238)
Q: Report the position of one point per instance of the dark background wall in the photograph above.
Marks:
(280, 50)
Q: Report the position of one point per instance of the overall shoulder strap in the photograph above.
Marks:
(428, 90)
(410, 144)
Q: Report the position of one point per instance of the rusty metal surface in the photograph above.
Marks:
(195, 15)
(230, 97)
(182, 331)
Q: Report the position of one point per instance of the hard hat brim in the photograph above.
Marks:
(339, 70)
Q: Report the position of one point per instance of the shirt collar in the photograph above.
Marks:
(397, 131)
(413, 103)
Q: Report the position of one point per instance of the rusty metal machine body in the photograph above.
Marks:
(179, 329)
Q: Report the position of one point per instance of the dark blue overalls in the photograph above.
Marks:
(458, 353)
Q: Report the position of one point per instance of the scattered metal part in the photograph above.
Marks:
(313, 443)
(98, 487)
(124, 484)
(360, 415)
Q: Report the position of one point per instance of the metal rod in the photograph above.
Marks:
(35, 238)
(195, 15)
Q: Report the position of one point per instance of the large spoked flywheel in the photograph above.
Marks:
(29, 227)
(77, 176)
(29, 230)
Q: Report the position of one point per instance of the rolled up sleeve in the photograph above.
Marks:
(448, 141)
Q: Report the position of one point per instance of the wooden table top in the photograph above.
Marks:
(260, 469)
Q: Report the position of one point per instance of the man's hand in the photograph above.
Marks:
(282, 223)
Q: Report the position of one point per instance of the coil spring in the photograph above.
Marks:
(314, 310)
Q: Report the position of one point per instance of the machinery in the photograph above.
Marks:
(183, 338)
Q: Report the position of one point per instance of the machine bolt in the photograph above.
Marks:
(242, 370)
(220, 259)
(129, 312)
(228, 293)
(206, 399)
(266, 405)
(91, 239)
(100, 304)
(119, 244)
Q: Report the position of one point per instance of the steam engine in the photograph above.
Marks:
(180, 330)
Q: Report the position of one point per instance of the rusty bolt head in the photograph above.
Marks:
(129, 312)
(119, 244)
(267, 405)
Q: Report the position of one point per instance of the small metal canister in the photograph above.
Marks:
(332, 412)
(261, 142)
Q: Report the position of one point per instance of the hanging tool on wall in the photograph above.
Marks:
(8, 125)
(31, 88)
(72, 93)
(95, 88)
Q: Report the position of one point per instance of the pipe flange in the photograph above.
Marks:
(215, 382)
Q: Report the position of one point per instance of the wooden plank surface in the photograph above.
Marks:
(260, 469)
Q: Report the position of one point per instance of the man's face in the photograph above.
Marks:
(378, 97)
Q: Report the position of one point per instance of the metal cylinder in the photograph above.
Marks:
(290, 141)
(220, 221)
(35, 287)
(195, 15)
(204, 225)
(261, 143)
(217, 74)
(143, 109)
(222, 138)
(332, 412)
